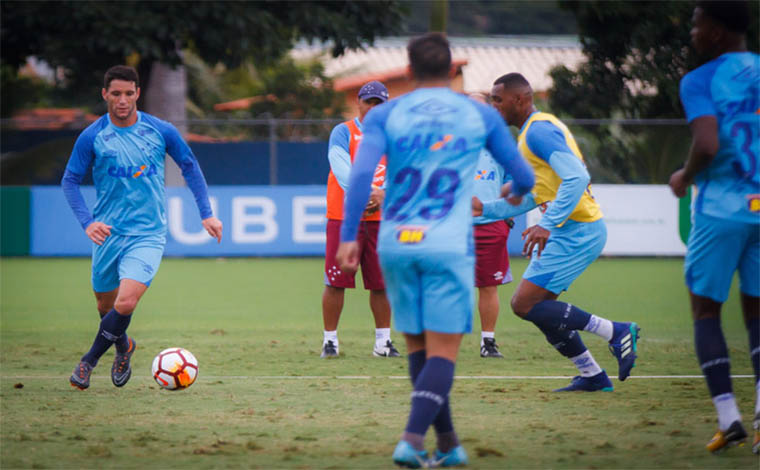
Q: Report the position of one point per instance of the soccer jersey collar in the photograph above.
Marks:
(139, 119)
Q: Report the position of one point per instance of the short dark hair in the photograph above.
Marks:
(512, 80)
(734, 15)
(429, 56)
(121, 72)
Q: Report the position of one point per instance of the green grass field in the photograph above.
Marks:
(264, 398)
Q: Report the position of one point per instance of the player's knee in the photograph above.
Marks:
(125, 306)
(519, 307)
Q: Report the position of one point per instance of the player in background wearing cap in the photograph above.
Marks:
(344, 140)
(491, 257)
(722, 104)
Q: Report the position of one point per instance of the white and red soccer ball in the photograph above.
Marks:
(175, 368)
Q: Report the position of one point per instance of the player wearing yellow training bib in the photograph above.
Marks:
(569, 237)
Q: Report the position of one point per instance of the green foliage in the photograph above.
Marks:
(636, 53)
(264, 399)
(86, 37)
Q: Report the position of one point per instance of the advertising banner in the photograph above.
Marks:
(642, 220)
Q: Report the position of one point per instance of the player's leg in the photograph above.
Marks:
(336, 281)
(751, 309)
(447, 315)
(570, 250)
(105, 280)
(105, 302)
(713, 254)
(373, 281)
(491, 271)
(749, 278)
(567, 342)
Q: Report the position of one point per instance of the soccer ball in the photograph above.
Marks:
(175, 368)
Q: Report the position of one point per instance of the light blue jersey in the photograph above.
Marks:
(728, 88)
(430, 172)
(128, 171)
(489, 177)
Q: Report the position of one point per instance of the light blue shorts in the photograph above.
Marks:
(430, 291)
(568, 252)
(717, 248)
(126, 257)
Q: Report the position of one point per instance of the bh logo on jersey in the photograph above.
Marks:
(484, 175)
(410, 235)
(754, 202)
(132, 171)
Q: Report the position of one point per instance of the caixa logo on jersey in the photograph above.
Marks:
(132, 171)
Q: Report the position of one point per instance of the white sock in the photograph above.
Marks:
(382, 336)
(586, 364)
(600, 326)
(728, 412)
(485, 334)
(757, 400)
(331, 336)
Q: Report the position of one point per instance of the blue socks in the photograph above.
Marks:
(753, 329)
(112, 326)
(712, 354)
(556, 315)
(444, 427)
(431, 391)
(121, 344)
(568, 343)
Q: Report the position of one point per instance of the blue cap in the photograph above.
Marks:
(373, 89)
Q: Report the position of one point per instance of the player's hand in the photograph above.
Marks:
(214, 228)
(534, 236)
(97, 232)
(477, 207)
(506, 193)
(376, 198)
(679, 184)
(348, 256)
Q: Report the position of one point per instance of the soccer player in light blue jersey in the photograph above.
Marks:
(568, 238)
(491, 257)
(721, 99)
(432, 137)
(126, 150)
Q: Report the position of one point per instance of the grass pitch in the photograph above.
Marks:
(264, 398)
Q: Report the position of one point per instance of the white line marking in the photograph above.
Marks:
(368, 377)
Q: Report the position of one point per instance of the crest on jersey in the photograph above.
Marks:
(433, 107)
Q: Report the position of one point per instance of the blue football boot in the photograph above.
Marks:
(452, 458)
(407, 456)
(595, 383)
(625, 337)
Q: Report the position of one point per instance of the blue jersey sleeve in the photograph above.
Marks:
(338, 154)
(502, 146)
(501, 209)
(371, 150)
(695, 93)
(548, 143)
(178, 149)
(79, 163)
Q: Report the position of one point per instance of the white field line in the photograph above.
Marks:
(370, 377)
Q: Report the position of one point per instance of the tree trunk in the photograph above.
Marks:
(165, 99)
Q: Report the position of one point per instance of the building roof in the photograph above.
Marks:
(486, 58)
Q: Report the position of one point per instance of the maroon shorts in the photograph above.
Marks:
(491, 257)
(367, 238)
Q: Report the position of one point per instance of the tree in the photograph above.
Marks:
(84, 38)
(636, 53)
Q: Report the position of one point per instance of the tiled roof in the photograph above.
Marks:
(487, 58)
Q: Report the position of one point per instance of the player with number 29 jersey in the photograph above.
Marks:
(429, 172)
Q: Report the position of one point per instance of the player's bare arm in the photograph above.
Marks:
(214, 228)
(97, 232)
(477, 207)
(704, 146)
(509, 195)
